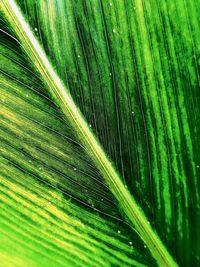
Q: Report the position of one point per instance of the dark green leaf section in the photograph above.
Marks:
(133, 69)
(55, 208)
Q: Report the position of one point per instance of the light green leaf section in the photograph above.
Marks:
(41, 228)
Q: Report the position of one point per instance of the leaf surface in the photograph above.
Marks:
(127, 72)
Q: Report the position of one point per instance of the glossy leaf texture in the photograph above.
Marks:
(55, 208)
(132, 68)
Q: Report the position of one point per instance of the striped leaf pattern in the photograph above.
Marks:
(132, 68)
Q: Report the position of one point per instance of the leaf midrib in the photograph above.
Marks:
(85, 135)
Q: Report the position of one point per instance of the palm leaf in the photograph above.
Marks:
(135, 98)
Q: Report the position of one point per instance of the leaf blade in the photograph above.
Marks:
(128, 204)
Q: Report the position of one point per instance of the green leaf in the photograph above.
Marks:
(124, 66)
(49, 202)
